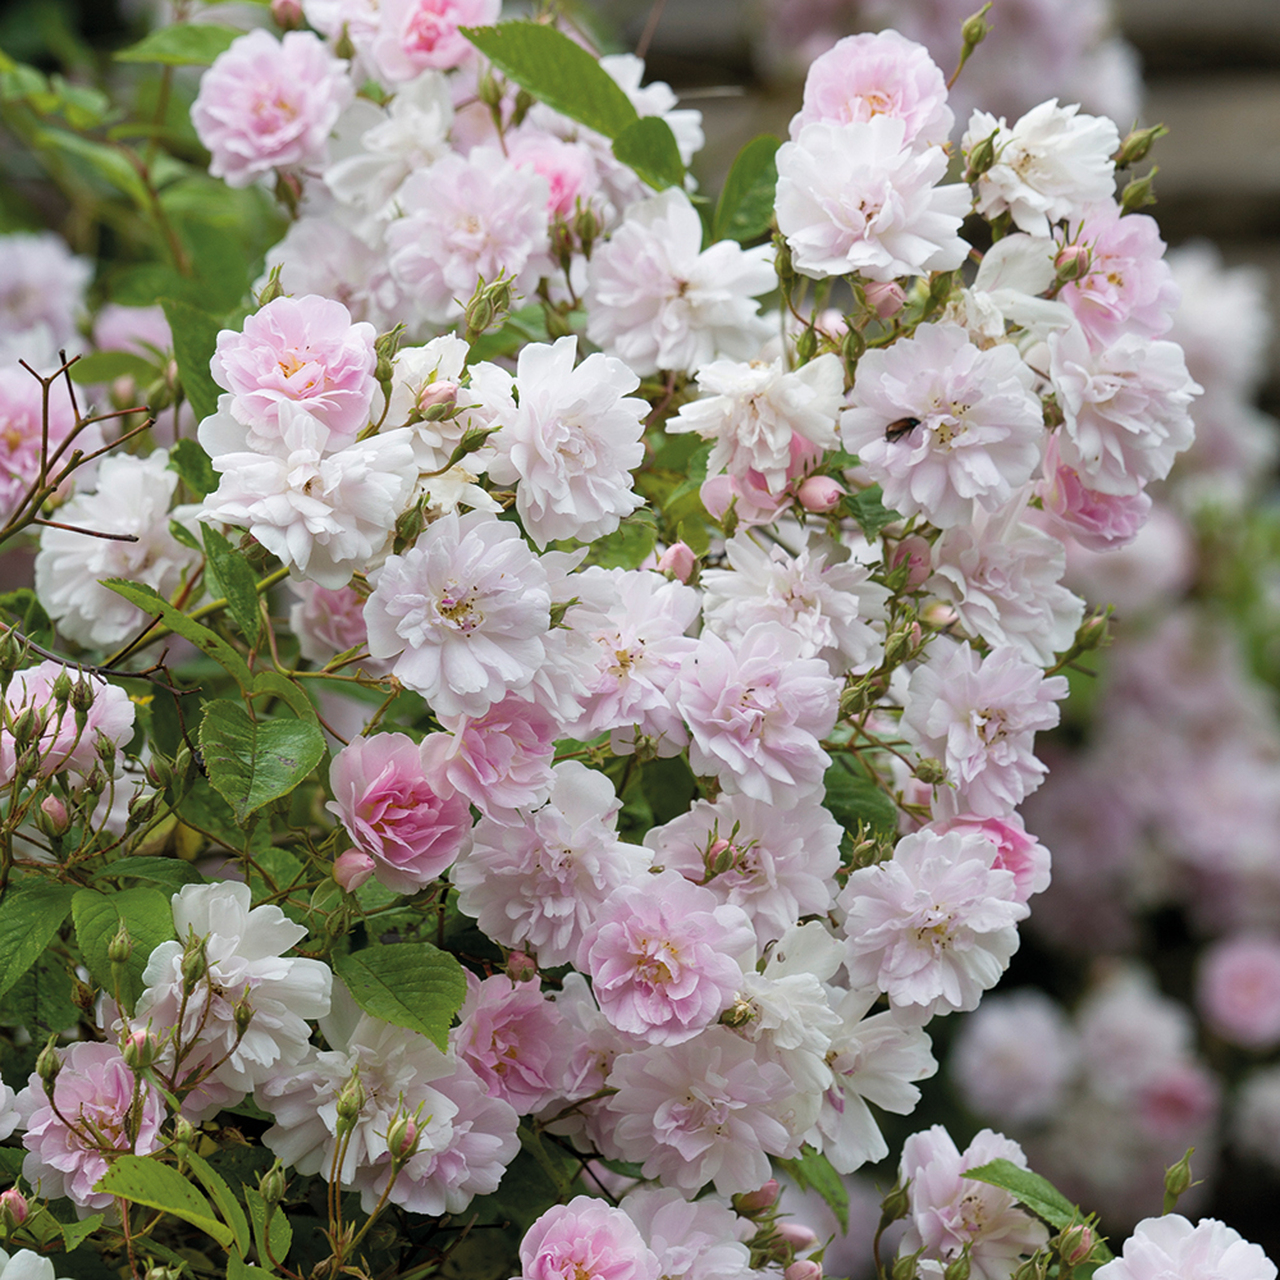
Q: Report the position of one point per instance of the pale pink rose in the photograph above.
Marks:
(589, 1239)
(703, 1111)
(951, 1214)
(568, 167)
(305, 350)
(1097, 521)
(417, 35)
(880, 74)
(328, 623)
(1238, 992)
(41, 291)
(748, 496)
(663, 957)
(1178, 1105)
(468, 219)
(515, 1040)
(1171, 1247)
(1017, 850)
(94, 1088)
(269, 104)
(501, 761)
(410, 822)
(1128, 288)
(21, 430)
(142, 330)
(757, 713)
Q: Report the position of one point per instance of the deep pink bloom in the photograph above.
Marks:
(586, 1239)
(662, 957)
(268, 104)
(96, 1088)
(302, 349)
(415, 35)
(411, 824)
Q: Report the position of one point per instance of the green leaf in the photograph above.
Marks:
(107, 366)
(195, 335)
(25, 606)
(557, 1170)
(221, 1195)
(649, 147)
(627, 545)
(275, 685)
(11, 1163)
(76, 1233)
(183, 44)
(234, 579)
(868, 509)
(147, 915)
(31, 914)
(193, 466)
(251, 763)
(853, 796)
(149, 600)
(40, 1000)
(279, 1234)
(1030, 1190)
(158, 1186)
(112, 164)
(813, 1171)
(556, 71)
(169, 873)
(239, 1269)
(747, 197)
(409, 984)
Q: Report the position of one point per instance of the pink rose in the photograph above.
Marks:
(267, 104)
(411, 824)
(1097, 521)
(415, 35)
(584, 1238)
(1239, 990)
(1019, 851)
(305, 350)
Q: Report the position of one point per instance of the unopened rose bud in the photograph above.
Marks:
(105, 749)
(797, 1235)
(28, 726)
(272, 1185)
(917, 555)
(158, 1272)
(143, 809)
(1073, 263)
(184, 1136)
(820, 494)
(54, 819)
(349, 1104)
(345, 47)
(287, 14)
(82, 695)
(194, 966)
(48, 1064)
(885, 298)
(242, 1015)
(438, 395)
(981, 158)
(931, 771)
(1136, 145)
(904, 1266)
(1177, 1181)
(852, 345)
(62, 688)
(720, 857)
(120, 948)
(402, 1138)
(752, 1202)
(352, 868)
(1139, 192)
(139, 1050)
(975, 29)
(782, 261)
(806, 1269)
(678, 560)
(896, 1205)
(959, 1269)
(806, 347)
(1095, 632)
(1075, 1244)
(13, 1209)
(521, 967)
